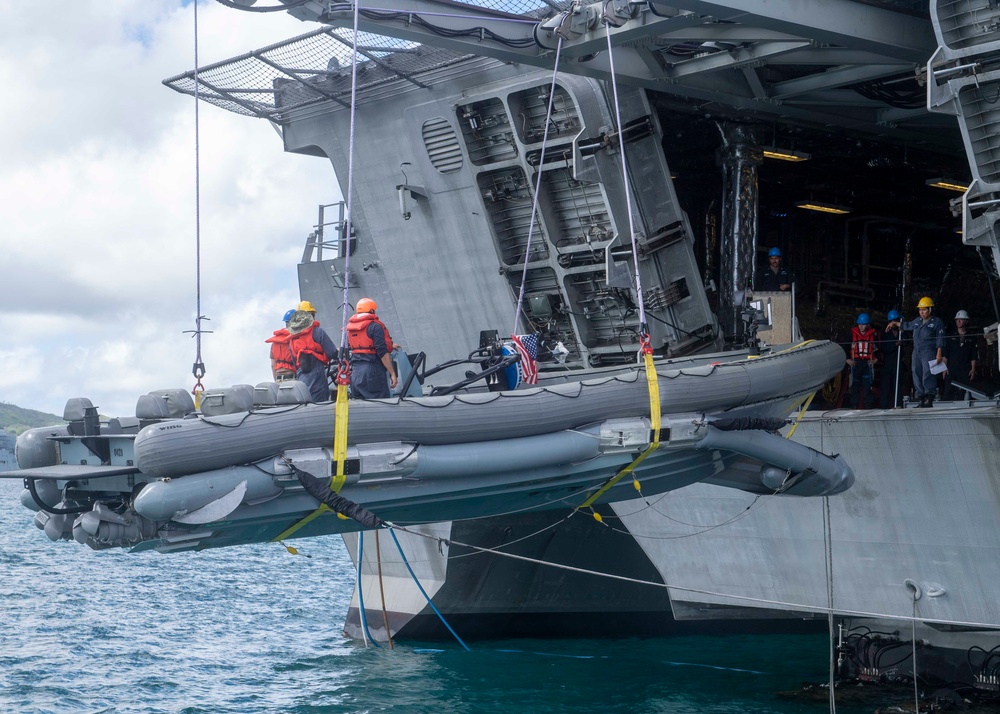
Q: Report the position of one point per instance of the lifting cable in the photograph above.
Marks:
(365, 634)
(421, 587)
(343, 367)
(538, 186)
(198, 368)
(782, 604)
(644, 338)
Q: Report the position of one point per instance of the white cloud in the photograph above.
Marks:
(97, 215)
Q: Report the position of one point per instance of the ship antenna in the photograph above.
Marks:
(198, 368)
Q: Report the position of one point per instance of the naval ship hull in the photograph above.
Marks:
(916, 540)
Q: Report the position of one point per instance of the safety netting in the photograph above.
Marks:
(311, 69)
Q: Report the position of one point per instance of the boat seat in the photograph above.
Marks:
(179, 402)
(122, 425)
(150, 407)
(293, 392)
(265, 394)
(231, 400)
(76, 408)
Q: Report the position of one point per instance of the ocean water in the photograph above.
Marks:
(255, 629)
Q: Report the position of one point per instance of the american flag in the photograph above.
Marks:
(527, 348)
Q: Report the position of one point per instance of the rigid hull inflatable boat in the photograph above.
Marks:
(175, 479)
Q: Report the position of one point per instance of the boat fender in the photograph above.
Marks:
(217, 509)
(164, 499)
(820, 474)
(320, 490)
(36, 447)
(520, 454)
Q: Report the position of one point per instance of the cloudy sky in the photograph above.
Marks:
(97, 204)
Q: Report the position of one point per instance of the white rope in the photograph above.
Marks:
(741, 598)
(625, 183)
(828, 567)
(913, 644)
(349, 216)
(538, 187)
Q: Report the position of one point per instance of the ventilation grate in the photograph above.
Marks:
(442, 145)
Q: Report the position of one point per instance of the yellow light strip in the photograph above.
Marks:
(950, 184)
(785, 154)
(823, 207)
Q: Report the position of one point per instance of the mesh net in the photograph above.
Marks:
(310, 69)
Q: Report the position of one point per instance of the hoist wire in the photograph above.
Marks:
(538, 187)
(339, 477)
(652, 382)
(349, 216)
(198, 368)
(625, 184)
(341, 408)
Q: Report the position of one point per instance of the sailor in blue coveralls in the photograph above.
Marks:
(928, 345)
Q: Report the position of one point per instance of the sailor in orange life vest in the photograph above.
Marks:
(282, 362)
(312, 350)
(370, 359)
(862, 361)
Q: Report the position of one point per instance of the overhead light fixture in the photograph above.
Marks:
(822, 207)
(950, 184)
(771, 152)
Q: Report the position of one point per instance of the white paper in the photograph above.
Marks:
(937, 368)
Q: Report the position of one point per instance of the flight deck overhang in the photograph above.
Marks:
(837, 64)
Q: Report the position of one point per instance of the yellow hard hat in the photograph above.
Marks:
(366, 305)
(925, 302)
(307, 306)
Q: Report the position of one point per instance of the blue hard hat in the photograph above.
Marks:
(894, 315)
(288, 315)
(774, 252)
(864, 319)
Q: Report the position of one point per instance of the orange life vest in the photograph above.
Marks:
(862, 345)
(281, 353)
(357, 334)
(303, 343)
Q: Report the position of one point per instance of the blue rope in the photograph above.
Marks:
(361, 597)
(424, 593)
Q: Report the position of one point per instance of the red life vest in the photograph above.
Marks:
(281, 353)
(303, 343)
(862, 345)
(357, 334)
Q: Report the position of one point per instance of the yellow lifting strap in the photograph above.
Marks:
(653, 385)
(802, 411)
(339, 455)
(808, 400)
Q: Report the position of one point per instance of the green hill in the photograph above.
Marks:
(18, 419)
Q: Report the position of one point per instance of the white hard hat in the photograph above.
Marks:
(961, 315)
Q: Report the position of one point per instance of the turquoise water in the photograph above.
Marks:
(254, 629)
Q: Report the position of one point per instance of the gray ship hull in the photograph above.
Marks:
(919, 521)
